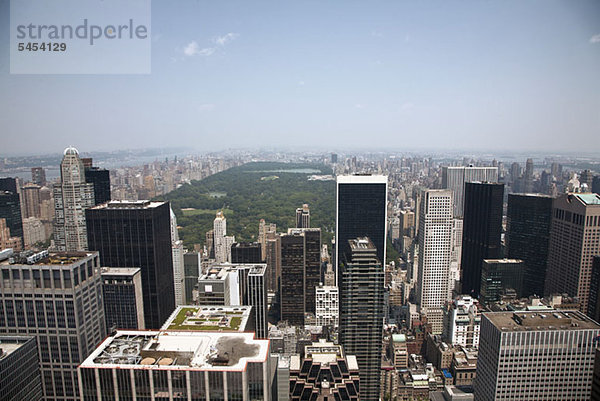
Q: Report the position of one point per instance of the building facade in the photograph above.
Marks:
(57, 298)
(499, 276)
(454, 178)
(536, 356)
(435, 246)
(123, 299)
(462, 322)
(361, 312)
(303, 217)
(528, 236)
(573, 244)
(137, 233)
(20, 377)
(482, 230)
(361, 211)
(328, 308)
(71, 198)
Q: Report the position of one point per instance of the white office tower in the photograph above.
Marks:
(222, 243)
(462, 320)
(455, 255)
(531, 356)
(327, 306)
(454, 178)
(178, 270)
(435, 245)
(71, 197)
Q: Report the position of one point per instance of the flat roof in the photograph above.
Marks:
(503, 261)
(209, 318)
(177, 350)
(118, 271)
(48, 258)
(128, 204)
(538, 321)
(589, 199)
(362, 179)
(9, 344)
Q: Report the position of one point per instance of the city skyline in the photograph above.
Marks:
(495, 75)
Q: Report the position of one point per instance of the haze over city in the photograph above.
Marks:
(421, 75)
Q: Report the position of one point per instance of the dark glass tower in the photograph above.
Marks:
(292, 278)
(191, 271)
(498, 275)
(8, 184)
(122, 291)
(138, 233)
(245, 252)
(10, 209)
(482, 228)
(100, 177)
(361, 312)
(528, 236)
(361, 212)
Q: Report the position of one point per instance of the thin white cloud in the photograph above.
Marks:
(301, 83)
(223, 40)
(206, 107)
(377, 34)
(359, 106)
(595, 39)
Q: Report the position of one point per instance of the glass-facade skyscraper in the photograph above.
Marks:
(361, 206)
(138, 234)
(528, 235)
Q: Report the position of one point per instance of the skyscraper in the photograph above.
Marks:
(361, 312)
(177, 257)
(8, 184)
(527, 237)
(20, 377)
(30, 201)
(56, 297)
(454, 178)
(300, 272)
(303, 217)
(138, 233)
(531, 356)
(482, 228)
(361, 205)
(246, 252)
(10, 209)
(528, 177)
(435, 246)
(573, 244)
(122, 296)
(257, 298)
(191, 268)
(38, 176)
(71, 197)
(100, 178)
(499, 275)
(222, 242)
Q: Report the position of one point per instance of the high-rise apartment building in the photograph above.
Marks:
(138, 233)
(20, 377)
(222, 243)
(56, 297)
(527, 237)
(454, 178)
(499, 276)
(273, 261)
(38, 176)
(361, 211)
(30, 201)
(182, 365)
(300, 272)
(7, 240)
(177, 257)
(545, 355)
(33, 231)
(122, 296)
(361, 312)
(328, 307)
(435, 247)
(573, 244)
(462, 320)
(303, 217)
(482, 228)
(71, 197)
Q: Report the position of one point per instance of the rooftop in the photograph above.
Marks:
(209, 318)
(128, 204)
(47, 258)
(120, 271)
(362, 243)
(537, 321)
(362, 179)
(589, 199)
(175, 350)
(9, 344)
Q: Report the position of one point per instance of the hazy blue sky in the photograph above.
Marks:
(400, 74)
